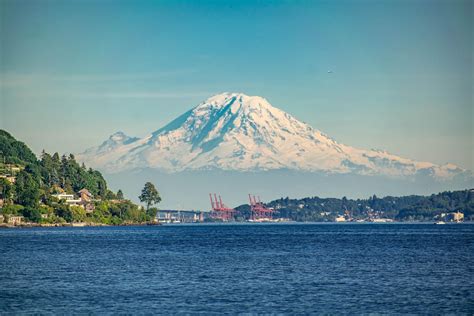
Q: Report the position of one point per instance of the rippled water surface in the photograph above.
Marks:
(305, 268)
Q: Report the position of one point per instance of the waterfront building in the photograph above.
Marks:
(15, 220)
(455, 217)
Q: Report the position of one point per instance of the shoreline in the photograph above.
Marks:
(78, 225)
(81, 225)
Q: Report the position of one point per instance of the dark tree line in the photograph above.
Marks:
(66, 173)
(411, 207)
(51, 171)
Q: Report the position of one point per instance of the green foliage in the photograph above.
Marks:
(63, 211)
(70, 176)
(151, 213)
(38, 180)
(47, 210)
(6, 189)
(78, 213)
(38, 177)
(150, 195)
(50, 168)
(12, 209)
(27, 189)
(123, 212)
(110, 195)
(32, 214)
(434, 205)
(13, 151)
(120, 195)
(401, 208)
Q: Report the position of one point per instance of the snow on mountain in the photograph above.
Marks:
(233, 131)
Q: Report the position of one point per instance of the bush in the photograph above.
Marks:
(151, 213)
(78, 213)
(62, 210)
(32, 214)
(12, 209)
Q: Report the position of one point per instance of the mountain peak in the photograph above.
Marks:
(235, 131)
(117, 136)
(228, 99)
(220, 97)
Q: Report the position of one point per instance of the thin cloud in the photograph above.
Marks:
(145, 95)
(16, 79)
(84, 94)
(47, 85)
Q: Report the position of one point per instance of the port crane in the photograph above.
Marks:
(219, 210)
(258, 211)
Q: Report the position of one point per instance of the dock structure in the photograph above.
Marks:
(180, 216)
(259, 212)
(219, 210)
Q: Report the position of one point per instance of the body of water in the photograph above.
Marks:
(254, 268)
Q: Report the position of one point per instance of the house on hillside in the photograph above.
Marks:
(9, 178)
(85, 199)
(15, 169)
(69, 199)
(85, 195)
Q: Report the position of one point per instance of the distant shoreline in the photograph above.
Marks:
(82, 225)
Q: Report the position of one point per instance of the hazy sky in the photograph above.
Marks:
(74, 72)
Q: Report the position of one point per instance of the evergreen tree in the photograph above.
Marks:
(47, 164)
(27, 190)
(150, 195)
(120, 194)
(6, 190)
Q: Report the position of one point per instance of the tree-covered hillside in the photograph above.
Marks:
(14, 151)
(30, 187)
(404, 208)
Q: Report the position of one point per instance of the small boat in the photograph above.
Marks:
(440, 223)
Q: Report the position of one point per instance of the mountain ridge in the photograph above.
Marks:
(234, 131)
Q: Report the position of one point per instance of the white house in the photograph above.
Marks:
(68, 198)
(15, 220)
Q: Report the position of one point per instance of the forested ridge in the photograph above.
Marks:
(404, 208)
(28, 187)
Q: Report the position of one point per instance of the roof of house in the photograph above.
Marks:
(85, 191)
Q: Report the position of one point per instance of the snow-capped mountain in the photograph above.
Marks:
(234, 131)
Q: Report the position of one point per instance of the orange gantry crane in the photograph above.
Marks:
(219, 210)
(258, 211)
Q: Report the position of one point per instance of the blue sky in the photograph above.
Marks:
(74, 72)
